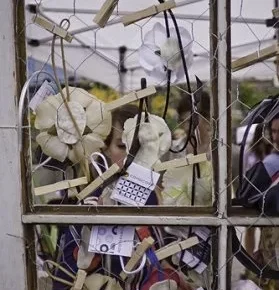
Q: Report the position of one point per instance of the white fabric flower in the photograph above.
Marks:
(159, 53)
(154, 138)
(59, 138)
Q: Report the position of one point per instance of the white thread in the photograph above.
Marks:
(41, 164)
(140, 267)
(96, 165)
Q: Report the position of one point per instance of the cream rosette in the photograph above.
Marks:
(159, 53)
(59, 137)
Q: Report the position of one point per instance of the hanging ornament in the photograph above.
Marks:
(160, 53)
(154, 138)
(60, 138)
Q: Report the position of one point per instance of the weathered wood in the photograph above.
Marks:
(13, 273)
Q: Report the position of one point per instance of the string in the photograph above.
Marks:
(84, 164)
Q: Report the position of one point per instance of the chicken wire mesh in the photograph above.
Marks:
(61, 132)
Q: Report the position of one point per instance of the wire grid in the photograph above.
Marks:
(91, 50)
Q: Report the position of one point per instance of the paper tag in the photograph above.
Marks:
(142, 176)
(135, 187)
(198, 256)
(112, 240)
(45, 90)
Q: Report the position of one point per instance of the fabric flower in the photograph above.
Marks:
(159, 53)
(154, 138)
(59, 138)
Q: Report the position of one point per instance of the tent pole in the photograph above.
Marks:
(95, 11)
(122, 69)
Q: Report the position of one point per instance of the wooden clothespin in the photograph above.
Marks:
(176, 247)
(80, 279)
(146, 244)
(148, 12)
(255, 57)
(65, 184)
(53, 28)
(275, 12)
(98, 181)
(131, 97)
(181, 162)
(105, 12)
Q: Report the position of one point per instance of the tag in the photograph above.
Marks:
(198, 256)
(135, 187)
(45, 90)
(112, 240)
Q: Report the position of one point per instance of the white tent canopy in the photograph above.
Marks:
(94, 51)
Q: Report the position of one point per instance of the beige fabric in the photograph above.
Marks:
(96, 281)
(164, 285)
(84, 257)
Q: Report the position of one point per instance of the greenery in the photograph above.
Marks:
(252, 92)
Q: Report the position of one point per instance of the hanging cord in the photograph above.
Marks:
(186, 75)
(168, 94)
(169, 71)
(135, 143)
(146, 105)
(84, 164)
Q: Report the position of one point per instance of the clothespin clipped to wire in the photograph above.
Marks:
(255, 57)
(181, 162)
(131, 97)
(176, 247)
(146, 244)
(148, 12)
(53, 28)
(98, 181)
(105, 12)
(65, 184)
(80, 279)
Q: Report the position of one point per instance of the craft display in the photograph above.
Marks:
(73, 125)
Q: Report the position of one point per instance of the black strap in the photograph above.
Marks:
(250, 263)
